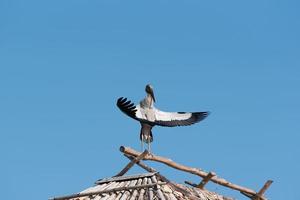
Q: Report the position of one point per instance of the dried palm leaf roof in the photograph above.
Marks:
(140, 187)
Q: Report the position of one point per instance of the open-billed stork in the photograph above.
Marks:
(149, 116)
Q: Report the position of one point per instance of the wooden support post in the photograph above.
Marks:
(142, 165)
(247, 195)
(265, 187)
(198, 172)
(131, 163)
(261, 192)
(206, 179)
(163, 178)
(190, 183)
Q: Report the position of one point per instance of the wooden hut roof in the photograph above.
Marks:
(140, 187)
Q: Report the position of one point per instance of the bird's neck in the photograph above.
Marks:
(148, 101)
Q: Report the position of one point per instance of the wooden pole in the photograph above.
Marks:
(190, 183)
(131, 163)
(198, 172)
(205, 180)
(163, 178)
(261, 192)
(265, 187)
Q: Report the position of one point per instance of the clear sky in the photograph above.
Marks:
(63, 64)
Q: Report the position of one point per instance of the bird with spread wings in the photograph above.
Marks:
(149, 116)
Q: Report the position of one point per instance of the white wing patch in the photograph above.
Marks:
(171, 116)
(138, 113)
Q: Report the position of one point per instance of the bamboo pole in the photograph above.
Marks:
(198, 172)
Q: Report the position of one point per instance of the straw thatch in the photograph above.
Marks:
(140, 187)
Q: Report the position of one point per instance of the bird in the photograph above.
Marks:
(149, 116)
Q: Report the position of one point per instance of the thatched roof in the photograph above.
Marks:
(140, 187)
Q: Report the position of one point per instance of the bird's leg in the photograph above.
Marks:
(149, 149)
(142, 143)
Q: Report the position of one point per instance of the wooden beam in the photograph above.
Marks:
(198, 172)
(163, 178)
(131, 163)
(142, 165)
(247, 195)
(259, 195)
(106, 191)
(261, 192)
(190, 183)
(206, 179)
(265, 187)
(123, 178)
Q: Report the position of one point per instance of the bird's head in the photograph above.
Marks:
(149, 90)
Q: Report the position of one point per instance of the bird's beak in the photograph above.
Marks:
(152, 94)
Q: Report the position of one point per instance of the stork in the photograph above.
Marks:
(149, 116)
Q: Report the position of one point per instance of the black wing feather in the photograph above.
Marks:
(127, 107)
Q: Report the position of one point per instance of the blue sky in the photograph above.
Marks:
(63, 64)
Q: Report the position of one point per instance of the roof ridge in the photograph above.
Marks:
(124, 178)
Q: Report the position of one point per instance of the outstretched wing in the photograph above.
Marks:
(157, 117)
(178, 118)
(127, 107)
